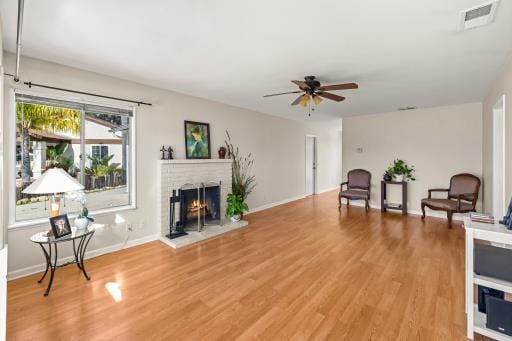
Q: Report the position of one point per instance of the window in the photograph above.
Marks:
(99, 151)
(92, 143)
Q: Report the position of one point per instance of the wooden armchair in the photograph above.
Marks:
(358, 187)
(462, 196)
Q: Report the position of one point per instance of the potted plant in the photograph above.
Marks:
(236, 207)
(83, 219)
(388, 174)
(222, 152)
(243, 182)
(400, 171)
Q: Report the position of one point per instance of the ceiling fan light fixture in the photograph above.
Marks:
(317, 99)
(304, 100)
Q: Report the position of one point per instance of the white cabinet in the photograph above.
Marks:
(494, 233)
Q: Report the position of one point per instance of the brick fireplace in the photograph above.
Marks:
(191, 175)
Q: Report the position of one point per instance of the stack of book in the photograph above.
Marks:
(482, 218)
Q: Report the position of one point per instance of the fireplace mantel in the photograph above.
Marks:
(175, 161)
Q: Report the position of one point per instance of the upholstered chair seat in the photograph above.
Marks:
(447, 204)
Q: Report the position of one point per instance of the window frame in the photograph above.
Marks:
(11, 153)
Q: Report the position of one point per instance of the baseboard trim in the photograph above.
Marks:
(30, 270)
(274, 204)
(428, 212)
(329, 189)
(285, 201)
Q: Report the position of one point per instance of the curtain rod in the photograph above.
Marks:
(30, 85)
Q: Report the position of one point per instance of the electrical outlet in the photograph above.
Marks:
(129, 227)
(359, 150)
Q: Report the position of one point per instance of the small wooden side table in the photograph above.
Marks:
(384, 205)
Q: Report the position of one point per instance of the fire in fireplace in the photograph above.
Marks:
(199, 205)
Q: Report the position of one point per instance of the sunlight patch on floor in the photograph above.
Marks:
(114, 291)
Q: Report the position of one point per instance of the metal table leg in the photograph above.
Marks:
(48, 262)
(52, 269)
(76, 252)
(82, 254)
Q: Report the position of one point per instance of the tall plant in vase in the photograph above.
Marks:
(243, 182)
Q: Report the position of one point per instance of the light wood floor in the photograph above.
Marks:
(299, 271)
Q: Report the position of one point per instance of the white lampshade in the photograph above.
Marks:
(54, 180)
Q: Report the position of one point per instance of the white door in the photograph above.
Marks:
(498, 159)
(311, 164)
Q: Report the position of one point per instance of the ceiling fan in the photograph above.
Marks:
(313, 90)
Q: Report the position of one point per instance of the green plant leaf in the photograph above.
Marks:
(236, 205)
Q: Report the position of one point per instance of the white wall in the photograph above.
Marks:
(278, 146)
(439, 141)
(3, 229)
(501, 86)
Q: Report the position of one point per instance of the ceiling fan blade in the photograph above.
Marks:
(330, 96)
(303, 85)
(304, 100)
(345, 86)
(317, 99)
(285, 93)
(297, 100)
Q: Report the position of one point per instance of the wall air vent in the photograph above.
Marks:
(478, 16)
(407, 108)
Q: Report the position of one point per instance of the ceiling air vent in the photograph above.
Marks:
(478, 16)
(407, 108)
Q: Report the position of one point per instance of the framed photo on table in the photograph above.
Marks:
(60, 226)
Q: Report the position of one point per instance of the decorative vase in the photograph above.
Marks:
(222, 154)
(398, 177)
(235, 218)
(81, 223)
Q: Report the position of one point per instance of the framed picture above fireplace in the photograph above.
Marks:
(197, 140)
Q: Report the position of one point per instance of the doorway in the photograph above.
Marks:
(498, 158)
(311, 164)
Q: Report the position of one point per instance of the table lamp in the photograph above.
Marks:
(54, 181)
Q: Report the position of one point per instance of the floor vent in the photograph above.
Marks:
(478, 16)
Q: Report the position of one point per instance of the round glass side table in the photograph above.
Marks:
(80, 240)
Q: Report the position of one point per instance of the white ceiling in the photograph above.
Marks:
(401, 52)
